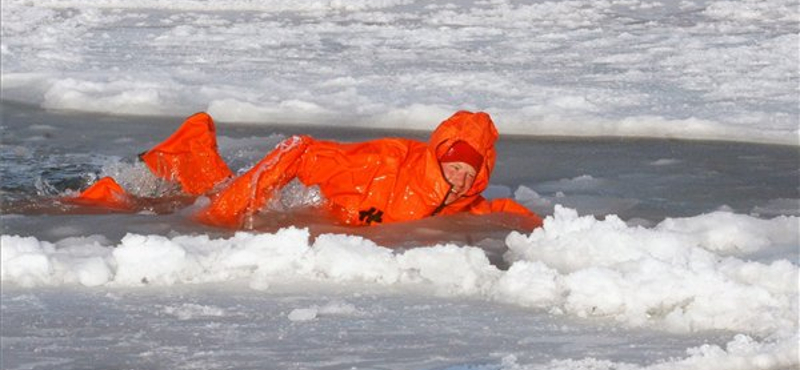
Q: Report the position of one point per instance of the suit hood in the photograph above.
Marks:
(477, 130)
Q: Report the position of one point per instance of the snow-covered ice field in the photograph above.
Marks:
(688, 69)
(656, 253)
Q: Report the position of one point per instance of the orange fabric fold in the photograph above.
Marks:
(105, 193)
(189, 156)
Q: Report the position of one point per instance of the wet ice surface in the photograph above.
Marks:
(302, 325)
(665, 68)
(647, 290)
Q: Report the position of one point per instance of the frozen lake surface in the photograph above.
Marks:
(304, 325)
(698, 69)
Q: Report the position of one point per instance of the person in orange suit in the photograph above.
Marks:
(367, 183)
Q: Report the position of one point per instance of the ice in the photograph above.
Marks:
(665, 162)
(333, 308)
(736, 233)
(340, 308)
(576, 184)
(576, 264)
(701, 69)
(24, 261)
(189, 311)
(667, 277)
(781, 206)
(532, 284)
(303, 314)
(347, 258)
(610, 269)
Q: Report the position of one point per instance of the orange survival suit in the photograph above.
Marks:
(384, 180)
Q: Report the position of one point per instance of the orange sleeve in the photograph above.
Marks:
(249, 192)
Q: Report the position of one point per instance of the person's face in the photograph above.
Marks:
(461, 176)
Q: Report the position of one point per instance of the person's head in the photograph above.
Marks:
(460, 165)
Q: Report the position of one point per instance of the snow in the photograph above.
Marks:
(668, 277)
(699, 69)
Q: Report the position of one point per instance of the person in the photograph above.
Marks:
(366, 183)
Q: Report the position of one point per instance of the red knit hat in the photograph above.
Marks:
(463, 152)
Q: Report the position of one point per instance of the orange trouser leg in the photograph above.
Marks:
(189, 156)
(105, 193)
(245, 195)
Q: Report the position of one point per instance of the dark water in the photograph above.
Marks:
(45, 154)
